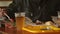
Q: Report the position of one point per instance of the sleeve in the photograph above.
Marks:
(11, 9)
(33, 10)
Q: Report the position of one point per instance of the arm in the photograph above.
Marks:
(7, 16)
(11, 10)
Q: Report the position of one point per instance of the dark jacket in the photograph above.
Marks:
(15, 6)
(53, 7)
(43, 9)
(37, 9)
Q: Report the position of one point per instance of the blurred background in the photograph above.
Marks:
(4, 3)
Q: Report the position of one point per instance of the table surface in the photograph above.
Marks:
(15, 31)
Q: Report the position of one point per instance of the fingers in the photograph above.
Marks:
(38, 22)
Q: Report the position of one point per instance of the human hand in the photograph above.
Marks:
(38, 22)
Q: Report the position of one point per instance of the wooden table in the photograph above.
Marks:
(26, 32)
(14, 31)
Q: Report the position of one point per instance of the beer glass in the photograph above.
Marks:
(19, 20)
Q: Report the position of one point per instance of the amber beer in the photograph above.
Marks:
(20, 19)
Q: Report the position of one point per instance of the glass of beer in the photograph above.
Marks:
(20, 19)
